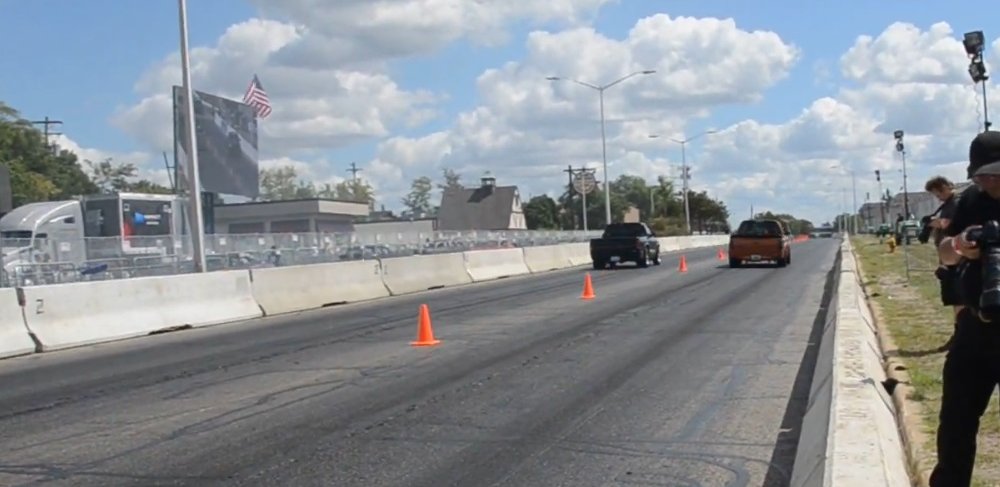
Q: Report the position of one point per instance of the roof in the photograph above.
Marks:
(27, 217)
(482, 208)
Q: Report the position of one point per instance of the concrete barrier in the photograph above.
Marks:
(69, 315)
(546, 258)
(485, 265)
(849, 434)
(578, 253)
(299, 288)
(404, 275)
(14, 337)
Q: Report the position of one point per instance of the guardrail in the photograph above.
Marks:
(849, 434)
(53, 317)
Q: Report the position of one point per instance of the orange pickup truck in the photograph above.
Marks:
(760, 241)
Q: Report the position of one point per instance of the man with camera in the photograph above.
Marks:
(933, 226)
(972, 365)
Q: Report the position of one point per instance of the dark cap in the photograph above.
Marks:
(984, 154)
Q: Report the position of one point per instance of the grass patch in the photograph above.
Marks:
(919, 324)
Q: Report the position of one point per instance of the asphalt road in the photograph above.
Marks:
(696, 379)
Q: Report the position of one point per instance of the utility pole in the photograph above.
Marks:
(569, 185)
(354, 170)
(45, 129)
(881, 199)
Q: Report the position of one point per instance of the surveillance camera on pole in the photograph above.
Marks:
(975, 44)
(901, 149)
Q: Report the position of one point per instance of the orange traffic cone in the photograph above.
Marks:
(684, 264)
(588, 288)
(425, 333)
(721, 255)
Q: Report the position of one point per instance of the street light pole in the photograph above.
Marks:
(194, 180)
(686, 174)
(604, 145)
(854, 202)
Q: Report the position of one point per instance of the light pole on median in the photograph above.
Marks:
(686, 173)
(194, 181)
(604, 146)
(854, 197)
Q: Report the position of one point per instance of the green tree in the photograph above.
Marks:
(541, 213)
(357, 190)
(707, 214)
(795, 225)
(39, 172)
(283, 183)
(110, 177)
(418, 200)
(452, 180)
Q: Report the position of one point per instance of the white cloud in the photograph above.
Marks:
(528, 130)
(313, 108)
(326, 70)
(148, 167)
(366, 31)
(905, 79)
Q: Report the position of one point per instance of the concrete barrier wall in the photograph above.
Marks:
(849, 434)
(405, 275)
(14, 337)
(68, 315)
(298, 288)
(485, 265)
(546, 258)
(578, 253)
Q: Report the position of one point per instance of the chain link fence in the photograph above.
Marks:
(53, 261)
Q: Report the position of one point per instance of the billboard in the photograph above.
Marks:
(227, 144)
(6, 193)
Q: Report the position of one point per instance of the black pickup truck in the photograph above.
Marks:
(625, 242)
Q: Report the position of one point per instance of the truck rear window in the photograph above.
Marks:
(624, 230)
(759, 229)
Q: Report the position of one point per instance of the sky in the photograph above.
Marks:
(799, 97)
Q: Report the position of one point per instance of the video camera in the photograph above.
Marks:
(987, 239)
(925, 229)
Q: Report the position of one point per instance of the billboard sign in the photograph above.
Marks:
(227, 144)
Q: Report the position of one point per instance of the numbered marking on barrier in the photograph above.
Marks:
(376, 268)
(39, 306)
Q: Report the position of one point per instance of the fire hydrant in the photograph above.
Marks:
(892, 245)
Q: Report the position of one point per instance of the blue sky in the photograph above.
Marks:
(79, 62)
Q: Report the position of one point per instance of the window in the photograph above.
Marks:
(759, 229)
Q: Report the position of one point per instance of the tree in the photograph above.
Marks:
(795, 225)
(418, 201)
(357, 190)
(283, 183)
(39, 172)
(707, 214)
(112, 177)
(541, 213)
(452, 180)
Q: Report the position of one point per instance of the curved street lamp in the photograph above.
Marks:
(604, 147)
(685, 172)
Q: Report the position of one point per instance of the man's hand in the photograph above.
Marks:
(953, 249)
(941, 223)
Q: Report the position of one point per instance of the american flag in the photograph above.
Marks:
(256, 97)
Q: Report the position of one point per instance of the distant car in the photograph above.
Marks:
(625, 242)
(760, 241)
